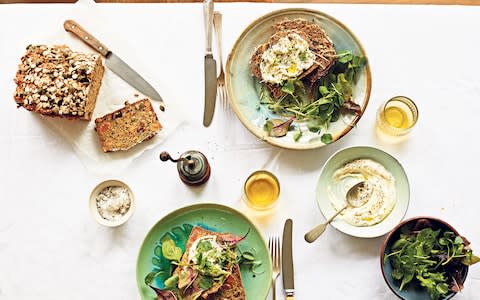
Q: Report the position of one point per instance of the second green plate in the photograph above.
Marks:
(213, 217)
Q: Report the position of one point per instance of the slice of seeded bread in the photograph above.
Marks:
(128, 126)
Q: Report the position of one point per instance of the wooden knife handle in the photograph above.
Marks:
(87, 38)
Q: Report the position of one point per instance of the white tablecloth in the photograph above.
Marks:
(51, 248)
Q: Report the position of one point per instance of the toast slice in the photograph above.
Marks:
(232, 286)
(319, 42)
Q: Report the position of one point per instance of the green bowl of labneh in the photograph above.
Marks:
(425, 258)
(112, 203)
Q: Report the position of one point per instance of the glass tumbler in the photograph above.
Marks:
(397, 116)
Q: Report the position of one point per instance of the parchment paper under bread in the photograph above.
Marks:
(112, 96)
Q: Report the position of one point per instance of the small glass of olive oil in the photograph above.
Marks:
(397, 116)
(261, 190)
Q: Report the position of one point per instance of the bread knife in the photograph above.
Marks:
(114, 63)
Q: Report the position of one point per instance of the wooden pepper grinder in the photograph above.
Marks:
(193, 167)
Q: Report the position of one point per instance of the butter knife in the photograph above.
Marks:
(114, 63)
(210, 66)
(287, 260)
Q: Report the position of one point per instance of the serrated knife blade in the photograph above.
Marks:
(287, 260)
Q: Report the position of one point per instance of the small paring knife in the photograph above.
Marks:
(287, 260)
(114, 63)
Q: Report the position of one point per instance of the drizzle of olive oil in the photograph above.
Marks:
(397, 117)
(261, 190)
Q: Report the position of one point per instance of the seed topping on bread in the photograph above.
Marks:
(54, 80)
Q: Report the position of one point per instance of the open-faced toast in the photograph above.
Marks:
(207, 270)
(318, 41)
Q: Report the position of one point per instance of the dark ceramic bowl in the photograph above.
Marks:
(412, 291)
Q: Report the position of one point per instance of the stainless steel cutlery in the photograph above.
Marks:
(287, 260)
(210, 66)
(221, 88)
(275, 253)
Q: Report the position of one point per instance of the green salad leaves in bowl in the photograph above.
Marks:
(426, 258)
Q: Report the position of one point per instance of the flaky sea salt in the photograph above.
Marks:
(113, 202)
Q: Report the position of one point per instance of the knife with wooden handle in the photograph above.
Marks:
(287, 260)
(114, 63)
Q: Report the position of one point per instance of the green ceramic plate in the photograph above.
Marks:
(243, 91)
(344, 156)
(212, 217)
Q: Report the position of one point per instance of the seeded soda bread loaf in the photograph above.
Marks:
(56, 81)
(128, 126)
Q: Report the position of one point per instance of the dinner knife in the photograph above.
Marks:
(210, 66)
(114, 63)
(287, 260)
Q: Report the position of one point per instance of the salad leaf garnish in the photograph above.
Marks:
(297, 135)
(326, 138)
(170, 251)
(248, 258)
(205, 283)
(433, 258)
(323, 102)
(344, 56)
(277, 127)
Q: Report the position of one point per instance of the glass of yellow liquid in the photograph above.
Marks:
(261, 190)
(397, 116)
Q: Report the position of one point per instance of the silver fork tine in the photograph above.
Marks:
(278, 251)
(274, 249)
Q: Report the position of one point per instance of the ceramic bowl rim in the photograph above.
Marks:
(376, 149)
(93, 207)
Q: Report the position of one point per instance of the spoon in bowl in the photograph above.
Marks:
(356, 196)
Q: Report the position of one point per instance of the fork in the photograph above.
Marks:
(222, 91)
(274, 247)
